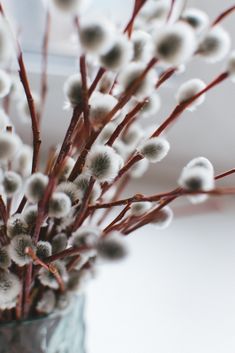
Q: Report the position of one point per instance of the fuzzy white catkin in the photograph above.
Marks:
(103, 163)
(67, 168)
(47, 303)
(18, 247)
(59, 243)
(48, 279)
(35, 187)
(154, 149)
(163, 218)
(142, 46)
(133, 135)
(152, 105)
(29, 214)
(100, 105)
(5, 84)
(231, 66)
(70, 189)
(130, 74)
(155, 11)
(188, 90)
(12, 183)
(174, 44)
(16, 225)
(23, 163)
(112, 247)
(140, 208)
(95, 35)
(73, 90)
(43, 249)
(82, 183)
(85, 236)
(196, 178)
(196, 18)
(106, 132)
(201, 162)
(10, 144)
(215, 45)
(119, 54)
(9, 287)
(59, 205)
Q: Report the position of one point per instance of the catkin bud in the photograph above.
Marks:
(196, 18)
(30, 214)
(43, 249)
(35, 187)
(142, 45)
(85, 236)
(17, 249)
(59, 243)
(82, 183)
(140, 208)
(174, 44)
(188, 90)
(163, 218)
(59, 205)
(9, 289)
(154, 149)
(231, 66)
(215, 45)
(118, 55)
(23, 163)
(196, 178)
(129, 76)
(70, 189)
(95, 35)
(16, 226)
(47, 303)
(48, 279)
(9, 145)
(103, 163)
(73, 90)
(111, 247)
(12, 183)
(100, 105)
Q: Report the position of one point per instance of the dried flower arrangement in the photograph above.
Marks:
(54, 224)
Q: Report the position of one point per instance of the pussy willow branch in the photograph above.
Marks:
(137, 7)
(171, 10)
(49, 267)
(83, 70)
(34, 119)
(180, 108)
(223, 15)
(121, 103)
(44, 78)
(116, 219)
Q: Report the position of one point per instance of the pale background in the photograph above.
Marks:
(176, 291)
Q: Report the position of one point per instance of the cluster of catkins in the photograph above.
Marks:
(57, 269)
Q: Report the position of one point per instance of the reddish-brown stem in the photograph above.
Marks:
(165, 76)
(34, 118)
(65, 253)
(183, 106)
(50, 267)
(222, 16)
(137, 7)
(117, 194)
(227, 173)
(125, 121)
(97, 79)
(171, 10)
(116, 219)
(83, 72)
(45, 46)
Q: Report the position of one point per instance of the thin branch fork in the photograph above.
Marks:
(223, 15)
(50, 267)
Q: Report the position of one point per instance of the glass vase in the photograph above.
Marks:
(60, 332)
